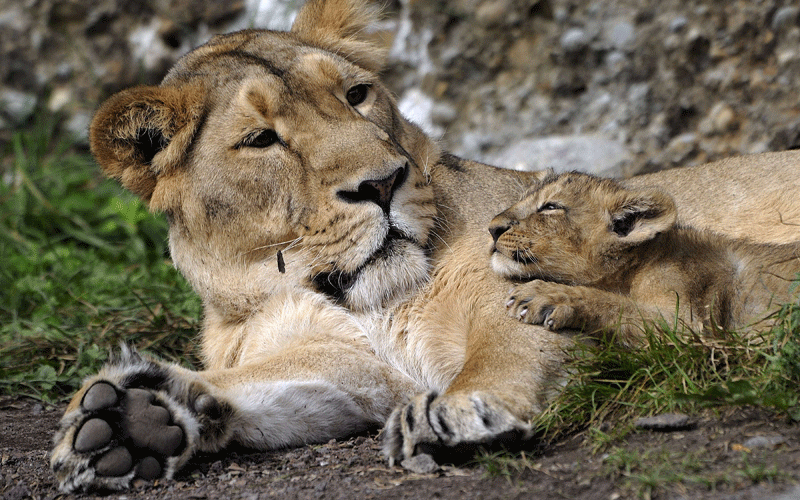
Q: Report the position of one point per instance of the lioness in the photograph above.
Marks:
(603, 258)
(340, 257)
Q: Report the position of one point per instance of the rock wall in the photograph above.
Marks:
(617, 87)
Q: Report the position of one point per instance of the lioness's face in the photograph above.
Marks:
(306, 153)
(576, 229)
(300, 172)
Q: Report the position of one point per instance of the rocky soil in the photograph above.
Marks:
(741, 454)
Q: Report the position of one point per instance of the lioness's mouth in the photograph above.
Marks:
(336, 283)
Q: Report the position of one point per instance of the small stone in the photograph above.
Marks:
(785, 17)
(680, 148)
(574, 40)
(678, 24)
(770, 442)
(620, 35)
(420, 464)
(720, 119)
(18, 106)
(665, 422)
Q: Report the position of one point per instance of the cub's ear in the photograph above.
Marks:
(141, 135)
(338, 26)
(638, 216)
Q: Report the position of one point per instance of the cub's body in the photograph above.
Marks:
(605, 258)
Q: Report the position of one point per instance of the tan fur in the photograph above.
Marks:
(605, 258)
(339, 254)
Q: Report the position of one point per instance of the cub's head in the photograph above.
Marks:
(577, 229)
(281, 162)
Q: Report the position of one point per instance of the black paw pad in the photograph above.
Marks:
(99, 397)
(149, 468)
(148, 424)
(116, 462)
(94, 434)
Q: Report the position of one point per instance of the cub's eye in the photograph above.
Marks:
(260, 139)
(357, 94)
(549, 206)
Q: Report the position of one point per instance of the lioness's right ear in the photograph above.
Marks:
(141, 134)
(339, 26)
(638, 216)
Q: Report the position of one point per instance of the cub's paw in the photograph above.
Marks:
(538, 302)
(450, 425)
(118, 434)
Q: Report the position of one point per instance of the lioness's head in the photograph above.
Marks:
(281, 161)
(577, 229)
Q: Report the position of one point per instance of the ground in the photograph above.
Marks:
(737, 453)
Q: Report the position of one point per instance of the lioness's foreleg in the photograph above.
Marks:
(503, 386)
(140, 418)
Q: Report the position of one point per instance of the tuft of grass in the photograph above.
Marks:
(680, 371)
(84, 268)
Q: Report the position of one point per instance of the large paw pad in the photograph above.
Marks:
(130, 429)
(117, 435)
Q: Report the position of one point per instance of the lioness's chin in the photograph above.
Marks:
(393, 276)
(507, 267)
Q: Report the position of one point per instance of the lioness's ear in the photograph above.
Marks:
(338, 26)
(640, 215)
(143, 133)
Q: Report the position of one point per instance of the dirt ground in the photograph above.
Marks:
(740, 453)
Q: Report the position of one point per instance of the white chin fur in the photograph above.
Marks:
(506, 267)
(389, 278)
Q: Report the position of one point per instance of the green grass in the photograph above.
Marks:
(643, 473)
(680, 371)
(84, 268)
(609, 386)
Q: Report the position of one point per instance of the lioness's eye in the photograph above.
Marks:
(260, 139)
(357, 94)
(549, 206)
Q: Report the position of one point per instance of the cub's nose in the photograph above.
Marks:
(378, 191)
(497, 230)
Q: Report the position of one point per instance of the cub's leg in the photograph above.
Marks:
(556, 306)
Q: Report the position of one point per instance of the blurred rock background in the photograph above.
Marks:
(612, 86)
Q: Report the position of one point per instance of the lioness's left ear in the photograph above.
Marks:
(640, 215)
(338, 26)
(140, 136)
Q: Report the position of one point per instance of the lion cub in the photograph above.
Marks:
(604, 258)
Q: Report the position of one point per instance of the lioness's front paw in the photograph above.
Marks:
(456, 423)
(543, 303)
(119, 434)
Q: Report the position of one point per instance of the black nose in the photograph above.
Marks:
(498, 230)
(378, 191)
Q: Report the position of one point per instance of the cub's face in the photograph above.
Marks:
(298, 172)
(576, 229)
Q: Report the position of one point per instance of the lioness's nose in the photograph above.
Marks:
(378, 191)
(497, 230)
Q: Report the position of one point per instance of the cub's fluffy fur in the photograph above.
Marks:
(604, 258)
